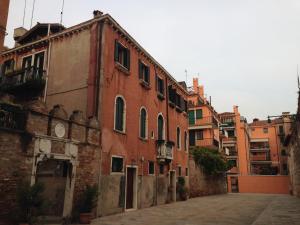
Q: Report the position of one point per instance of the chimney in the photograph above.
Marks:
(195, 84)
(97, 13)
(18, 33)
(3, 21)
(235, 109)
(201, 91)
(255, 120)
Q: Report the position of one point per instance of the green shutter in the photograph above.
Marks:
(199, 114)
(192, 117)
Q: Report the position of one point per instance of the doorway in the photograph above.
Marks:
(131, 188)
(234, 184)
(173, 185)
(53, 175)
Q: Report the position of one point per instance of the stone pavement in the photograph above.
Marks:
(229, 209)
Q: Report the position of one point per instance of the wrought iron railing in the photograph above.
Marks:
(20, 77)
(12, 117)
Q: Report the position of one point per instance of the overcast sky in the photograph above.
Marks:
(245, 52)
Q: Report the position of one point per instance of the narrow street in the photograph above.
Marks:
(230, 209)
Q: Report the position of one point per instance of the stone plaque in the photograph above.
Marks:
(60, 130)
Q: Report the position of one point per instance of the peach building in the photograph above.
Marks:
(203, 119)
(257, 153)
(98, 68)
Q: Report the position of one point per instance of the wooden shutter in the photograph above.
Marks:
(116, 51)
(192, 117)
(156, 83)
(199, 114)
(140, 69)
(128, 59)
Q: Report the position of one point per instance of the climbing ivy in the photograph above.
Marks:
(210, 160)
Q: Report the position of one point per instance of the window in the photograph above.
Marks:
(27, 62)
(172, 94)
(161, 169)
(116, 164)
(265, 130)
(151, 167)
(160, 127)
(281, 130)
(198, 113)
(283, 152)
(120, 114)
(39, 60)
(185, 106)
(179, 171)
(185, 141)
(160, 86)
(8, 66)
(122, 55)
(144, 72)
(231, 133)
(191, 117)
(143, 123)
(199, 135)
(186, 171)
(178, 138)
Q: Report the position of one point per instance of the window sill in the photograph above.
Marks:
(116, 173)
(122, 68)
(145, 84)
(172, 104)
(120, 132)
(178, 109)
(143, 139)
(160, 96)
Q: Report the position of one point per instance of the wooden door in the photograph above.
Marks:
(129, 188)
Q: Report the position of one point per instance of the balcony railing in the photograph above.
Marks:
(209, 120)
(229, 140)
(264, 157)
(255, 149)
(164, 150)
(32, 79)
(12, 117)
(207, 142)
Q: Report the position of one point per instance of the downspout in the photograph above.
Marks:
(279, 164)
(167, 109)
(48, 68)
(99, 81)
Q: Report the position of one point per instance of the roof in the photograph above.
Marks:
(105, 17)
(39, 31)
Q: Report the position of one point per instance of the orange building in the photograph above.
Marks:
(99, 69)
(203, 119)
(257, 154)
(4, 5)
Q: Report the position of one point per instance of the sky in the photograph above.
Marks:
(244, 52)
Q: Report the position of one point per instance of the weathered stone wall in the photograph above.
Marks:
(201, 184)
(17, 149)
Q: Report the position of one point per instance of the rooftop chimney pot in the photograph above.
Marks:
(97, 13)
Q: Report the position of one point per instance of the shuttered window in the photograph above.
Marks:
(122, 55)
(160, 86)
(160, 127)
(192, 117)
(119, 114)
(199, 114)
(144, 72)
(143, 123)
(178, 138)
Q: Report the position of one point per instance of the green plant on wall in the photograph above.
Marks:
(210, 160)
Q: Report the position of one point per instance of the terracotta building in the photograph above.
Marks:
(4, 5)
(257, 153)
(203, 119)
(97, 68)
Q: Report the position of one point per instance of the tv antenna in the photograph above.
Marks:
(62, 11)
(32, 13)
(186, 75)
(24, 13)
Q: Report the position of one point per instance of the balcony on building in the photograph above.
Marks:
(207, 142)
(230, 151)
(164, 150)
(208, 122)
(259, 145)
(260, 157)
(29, 81)
(12, 117)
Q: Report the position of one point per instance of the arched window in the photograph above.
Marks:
(143, 123)
(178, 138)
(120, 114)
(160, 127)
(185, 141)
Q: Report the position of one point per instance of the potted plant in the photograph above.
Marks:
(87, 202)
(29, 202)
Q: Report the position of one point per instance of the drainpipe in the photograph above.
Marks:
(167, 109)
(48, 68)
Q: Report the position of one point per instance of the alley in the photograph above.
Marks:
(229, 209)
